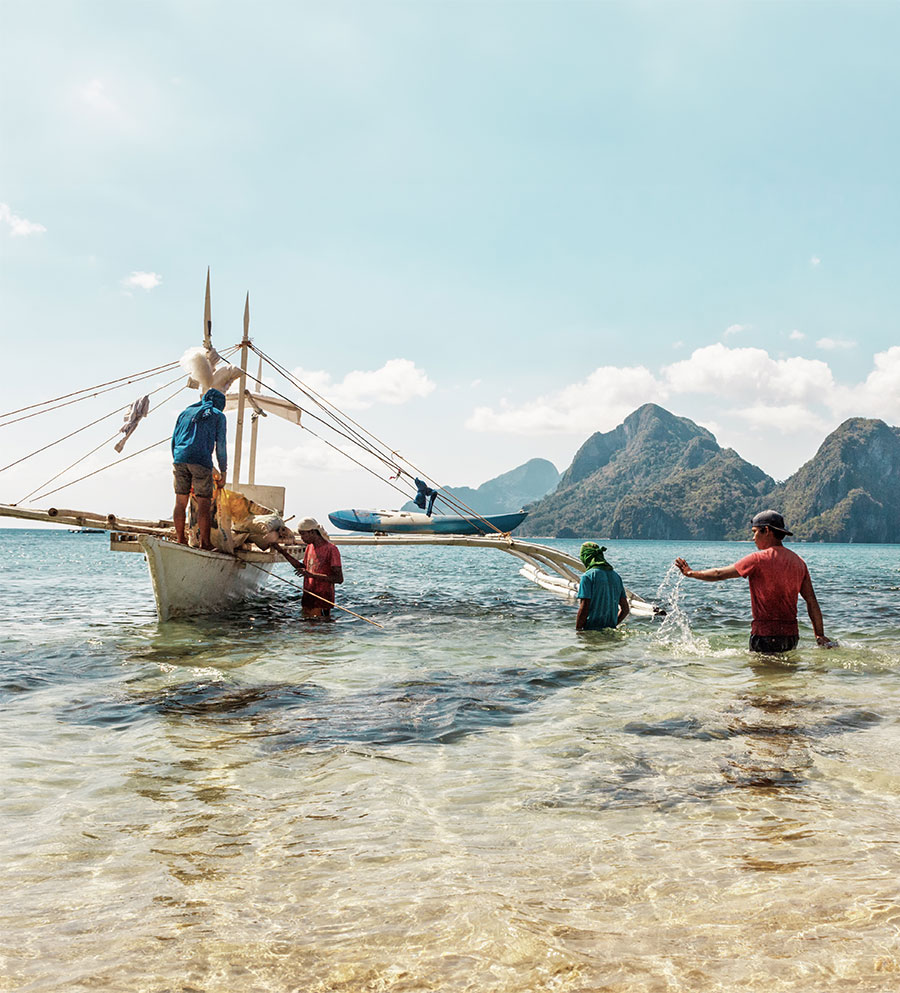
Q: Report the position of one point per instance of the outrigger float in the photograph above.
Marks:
(189, 581)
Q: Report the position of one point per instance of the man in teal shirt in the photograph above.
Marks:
(602, 602)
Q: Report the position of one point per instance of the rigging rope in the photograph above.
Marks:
(451, 501)
(140, 451)
(335, 414)
(325, 441)
(228, 353)
(87, 396)
(125, 381)
(93, 450)
(62, 472)
(71, 434)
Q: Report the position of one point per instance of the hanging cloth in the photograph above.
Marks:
(136, 413)
(424, 497)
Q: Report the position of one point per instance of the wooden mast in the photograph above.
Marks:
(207, 317)
(239, 433)
(254, 431)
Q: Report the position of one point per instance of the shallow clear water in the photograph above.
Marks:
(474, 798)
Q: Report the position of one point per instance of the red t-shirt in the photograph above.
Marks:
(321, 560)
(776, 575)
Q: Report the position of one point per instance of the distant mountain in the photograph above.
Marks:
(509, 491)
(654, 476)
(849, 490)
(661, 476)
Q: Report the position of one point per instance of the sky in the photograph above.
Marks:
(484, 229)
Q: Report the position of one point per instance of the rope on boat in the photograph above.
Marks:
(132, 378)
(62, 472)
(325, 441)
(140, 451)
(356, 437)
(88, 396)
(71, 434)
(343, 429)
(118, 410)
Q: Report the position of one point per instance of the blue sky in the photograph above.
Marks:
(550, 212)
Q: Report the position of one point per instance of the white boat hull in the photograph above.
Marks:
(188, 581)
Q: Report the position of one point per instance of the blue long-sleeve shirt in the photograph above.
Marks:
(194, 442)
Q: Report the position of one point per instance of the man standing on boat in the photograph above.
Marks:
(321, 568)
(199, 429)
(777, 576)
(602, 602)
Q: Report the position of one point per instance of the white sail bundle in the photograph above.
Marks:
(202, 365)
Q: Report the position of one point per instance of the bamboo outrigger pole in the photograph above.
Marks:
(239, 432)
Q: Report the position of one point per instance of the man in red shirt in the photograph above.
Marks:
(777, 576)
(321, 568)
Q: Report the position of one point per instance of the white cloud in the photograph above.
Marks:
(878, 395)
(677, 344)
(834, 344)
(94, 95)
(19, 227)
(796, 335)
(604, 398)
(733, 329)
(142, 280)
(745, 396)
(815, 260)
(397, 381)
(749, 374)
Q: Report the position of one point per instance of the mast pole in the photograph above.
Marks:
(207, 317)
(254, 431)
(239, 434)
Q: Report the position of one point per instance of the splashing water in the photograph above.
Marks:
(675, 631)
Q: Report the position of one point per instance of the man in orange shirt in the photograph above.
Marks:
(777, 576)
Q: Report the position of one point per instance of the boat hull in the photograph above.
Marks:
(403, 522)
(188, 581)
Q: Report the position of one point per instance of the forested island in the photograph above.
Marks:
(658, 475)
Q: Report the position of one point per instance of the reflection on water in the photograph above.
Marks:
(472, 800)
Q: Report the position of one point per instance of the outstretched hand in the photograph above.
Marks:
(683, 567)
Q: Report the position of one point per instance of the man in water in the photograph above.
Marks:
(602, 602)
(199, 429)
(777, 576)
(321, 568)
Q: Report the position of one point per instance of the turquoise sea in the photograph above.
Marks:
(474, 798)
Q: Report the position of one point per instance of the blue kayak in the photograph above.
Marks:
(404, 522)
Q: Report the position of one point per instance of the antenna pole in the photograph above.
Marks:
(239, 435)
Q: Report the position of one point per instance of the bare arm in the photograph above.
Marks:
(624, 609)
(582, 615)
(710, 575)
(296, 563)
(815, 612)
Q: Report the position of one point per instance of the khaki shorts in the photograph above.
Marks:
(187, 474)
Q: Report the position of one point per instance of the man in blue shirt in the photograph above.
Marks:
(199, 429)
(602, 602)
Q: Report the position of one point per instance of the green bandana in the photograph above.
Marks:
(592, 556)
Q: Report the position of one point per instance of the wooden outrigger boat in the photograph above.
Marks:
(189, 581)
